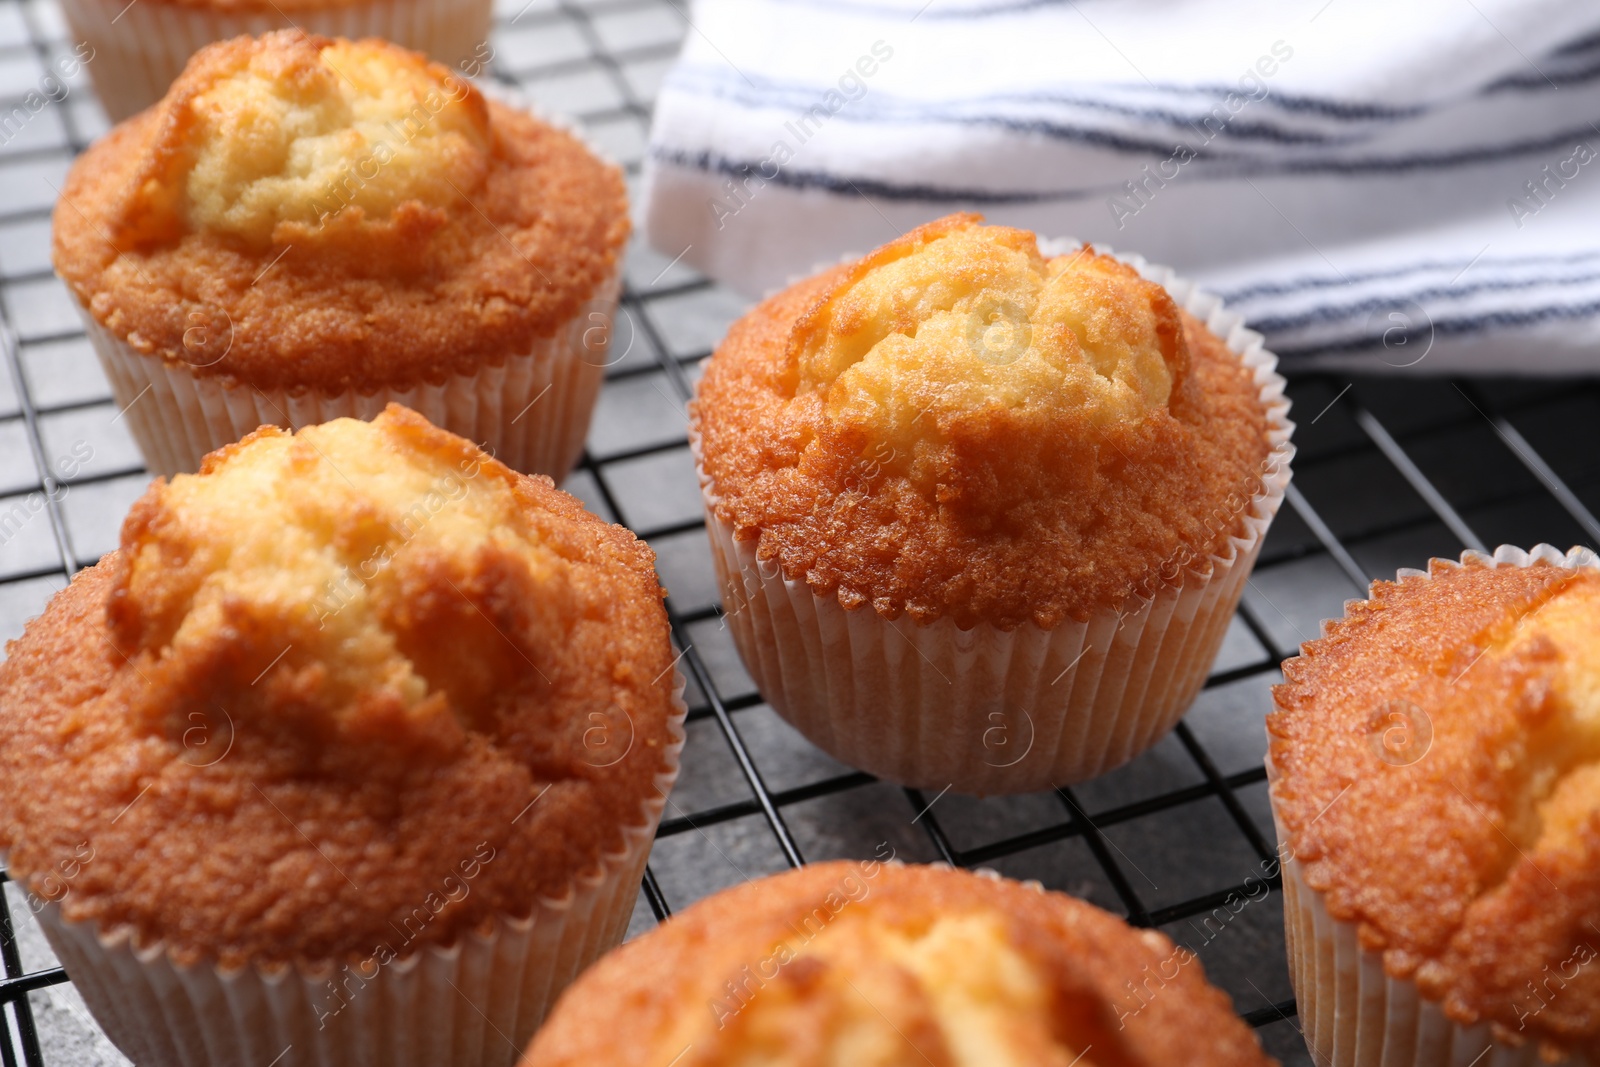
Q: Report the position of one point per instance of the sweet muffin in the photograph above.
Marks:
(356, 746)
(884, 965)
(981, 513)
(309, 228)
(138, 49)
(1435, 770)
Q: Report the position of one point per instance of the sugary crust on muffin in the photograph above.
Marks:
(267, 766)
(1000, 498)
(411, 248)
(1437, 763)
(886, 964)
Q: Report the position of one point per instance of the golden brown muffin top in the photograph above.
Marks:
(1437, 766)
(886, 965)
(300, 211)
(957, 426)
(322, 681)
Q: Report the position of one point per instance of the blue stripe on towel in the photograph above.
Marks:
(1220, 170)
(888, 109)
(1452, 327)
(1295, 285)
(1327, 313)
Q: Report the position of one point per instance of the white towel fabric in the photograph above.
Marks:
(1374, 183)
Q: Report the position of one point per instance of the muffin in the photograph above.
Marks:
(308, 228)
(982, 514)
(886, 965)
(356, 747)
(137, 50)
(1434, 780)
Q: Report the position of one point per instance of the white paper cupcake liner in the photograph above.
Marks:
(530, 411)
(141, 47)
(474, 1003)
(1352, 1012)
(985, 710)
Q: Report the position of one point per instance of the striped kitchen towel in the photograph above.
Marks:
(1406, 184)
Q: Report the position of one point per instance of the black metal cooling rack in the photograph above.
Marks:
(1389, 472)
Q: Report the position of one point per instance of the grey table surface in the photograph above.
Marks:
(1389, 473)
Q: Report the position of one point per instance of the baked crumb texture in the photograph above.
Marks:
(956, 426)
(883, 965)
(349, 214)
(322, 679)
(271, 134)
(1437, 758)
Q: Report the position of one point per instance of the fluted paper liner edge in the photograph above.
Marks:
(530, 411)
(474, 1002)
(989, 711)
(1352, 1012)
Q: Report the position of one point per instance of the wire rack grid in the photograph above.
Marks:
(1389, 473)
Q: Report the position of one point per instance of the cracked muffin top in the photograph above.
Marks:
(1437, 773)
(887, 965)
(320, 682)
(957, 426)
(306, 211)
